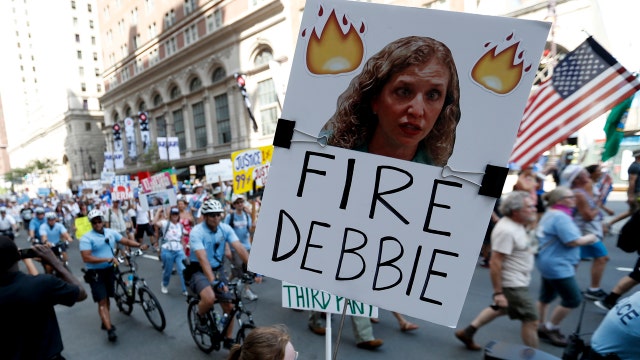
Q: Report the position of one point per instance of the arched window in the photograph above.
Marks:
(218, 75)
(127, 112)
(157, 100)
(174, 92)
(142, 106)
(115, 117)
(195, 84)
(263, 57)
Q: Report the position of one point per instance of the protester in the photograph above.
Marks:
(30, 327)
(171, 251)
(241, 223)
(8, 225)
(624, 284)
(558, 254)
(97, 251)
(265, 343)
(588, 217)
(510, 267)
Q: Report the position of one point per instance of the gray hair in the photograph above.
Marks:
(557, 194)
(513, 201)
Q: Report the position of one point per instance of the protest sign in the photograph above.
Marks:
(121, 188)
(245, 162)
(157, 199)
(390, 213)
(156, 182)
(220, 171)
(304, 298)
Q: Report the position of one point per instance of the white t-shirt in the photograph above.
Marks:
(7, 222)
(510, 238)
(142, 216)
(172, 235)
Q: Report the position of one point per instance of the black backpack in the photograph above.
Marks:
(629, 238)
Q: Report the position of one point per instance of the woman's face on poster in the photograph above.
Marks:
(409, 104)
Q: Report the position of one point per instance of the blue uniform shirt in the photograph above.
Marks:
(99, 247)
(52, 233)
(202, 238)
(241, 226)
(35, 226)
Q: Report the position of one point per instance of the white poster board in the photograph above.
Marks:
(397, 234)
(220, 171)
(157, 199)
(304, 298)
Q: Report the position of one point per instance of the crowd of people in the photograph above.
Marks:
(552, 232)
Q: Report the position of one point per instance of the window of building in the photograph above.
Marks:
(139, 65)
(142, 106)
(195, 84)
(268, 106)
(95, 56)
(97, 72)
(263, 57)
(178, 126)
(174, 93)
(87, 126)
(106, 12)
(199, 124)
(214, 21)
(77, 38)
(99, 88)
(170, 46)
(89, 8)
(161, 126)
(222, 118)
(79, 54)
(91, 24)
(153, 57)
(93, 40)
(81, 71)
(134, 16)
(189, 6)
(75, 21)
(190, 34)
(169, 18)
(148, 5)
(83, 87)
(136, 41)
(73, 4)
(153, 31)
(85, 104)
(218, 75)
(157, 100)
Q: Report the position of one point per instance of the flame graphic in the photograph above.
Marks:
(334, 51)
(500, 72)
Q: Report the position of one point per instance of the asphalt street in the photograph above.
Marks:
(83, 339)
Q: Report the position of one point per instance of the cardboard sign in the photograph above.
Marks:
(83, 226)
(156, 182)
(244, 164)
(157, 199)
(389, 213)
(121, 188)
(304, 298)
(220, 171)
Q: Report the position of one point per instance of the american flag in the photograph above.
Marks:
(586, 83)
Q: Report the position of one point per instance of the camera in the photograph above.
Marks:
(27, 253)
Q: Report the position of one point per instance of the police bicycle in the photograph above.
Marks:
(131, 289)
(217, 322)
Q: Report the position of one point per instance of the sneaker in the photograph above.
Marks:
(111, 333)
(113, 327)
(163, 289)
(467, 341)
(603, 305)
(594, 295)
(555, 337)
(370, 345)
(138, 252)
(318, 330)
(201, 324)
(228, 343)
(185, 293)
(250, 295)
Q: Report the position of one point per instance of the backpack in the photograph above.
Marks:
(628, 240)
(232, 217)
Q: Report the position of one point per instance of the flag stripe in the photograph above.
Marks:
(567, 125)
(585, 84)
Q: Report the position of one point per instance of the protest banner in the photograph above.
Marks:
(156, 182)
(217, 172)
(157, 199)
(304, 298)
(245, 162)
(392, 213)
(121, 188)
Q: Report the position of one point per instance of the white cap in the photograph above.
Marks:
(236, 197)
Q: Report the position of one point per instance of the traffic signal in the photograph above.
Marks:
(143, 117)
(116, 132)
(241, 82)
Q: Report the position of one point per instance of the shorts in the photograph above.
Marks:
(593, 251)
(199, 282)
(635, 273)
(141, 229)
(521, 305)
(102, 283)
(567, 288)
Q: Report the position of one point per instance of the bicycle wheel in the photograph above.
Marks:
(152, 308)
(204, 340)
(243, 332)
(123, 300)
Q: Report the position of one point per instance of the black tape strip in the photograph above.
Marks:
(493, 181)
(284, 133)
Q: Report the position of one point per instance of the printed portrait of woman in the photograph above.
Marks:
(404, 104)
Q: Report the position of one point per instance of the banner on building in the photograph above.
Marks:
(118, 159)
(249, 166)
(108, 161)
(130, 135)
(172, 147)
(106, 177)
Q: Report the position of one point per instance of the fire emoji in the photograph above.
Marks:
(500, 71)
(339, 48)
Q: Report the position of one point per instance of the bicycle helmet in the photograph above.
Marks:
(94, 214)
(211, 206)
(50, 215)
(39, 210)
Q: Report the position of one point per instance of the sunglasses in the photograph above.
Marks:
(96, 222)
(214, 215)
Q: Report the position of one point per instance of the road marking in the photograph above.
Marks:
(152, 257)
(625, 269)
